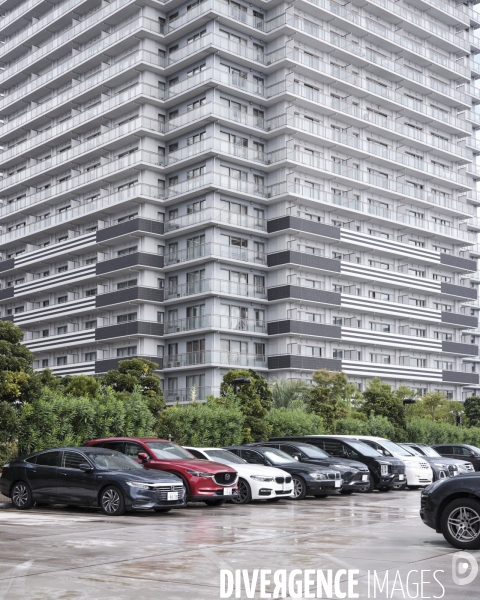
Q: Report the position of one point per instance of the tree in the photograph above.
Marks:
(436, 407)
(294, 421)
(288, 394)
(18, 381)
(136, 373)
(254, 400)
(472, 410)
(379, 398)
(330, 396)
(81, 385)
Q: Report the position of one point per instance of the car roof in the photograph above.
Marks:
(130, 439)
(72, 449)
(204, 449)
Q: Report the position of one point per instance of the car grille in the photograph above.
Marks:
(424, 465)
(162, 492)
(225, 478)
(283, 479)
(397, 469)
(333, 475)
(282, 492)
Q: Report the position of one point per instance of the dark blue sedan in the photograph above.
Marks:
(89, 477)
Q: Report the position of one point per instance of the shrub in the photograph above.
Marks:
(374, 425)
(197, 424)
(56, 420)
(431, 432)
(295, 421)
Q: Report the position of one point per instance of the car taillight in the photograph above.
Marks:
(4, 470)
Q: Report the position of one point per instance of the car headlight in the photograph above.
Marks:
(199, 473)
(317, 476)
(262, 478)
(138, 484)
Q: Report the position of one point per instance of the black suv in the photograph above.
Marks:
(452, 507)
(384, 472)
(308, 480)
(461, 451)
(355, 475)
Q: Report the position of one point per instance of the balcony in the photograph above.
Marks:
(185, 395)
(216, 286)
(213, 358)
(212, 249)
(215, 321)
(210, 215)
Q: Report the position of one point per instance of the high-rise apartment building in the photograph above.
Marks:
(214, 184)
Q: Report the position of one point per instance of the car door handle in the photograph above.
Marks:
(64, 474)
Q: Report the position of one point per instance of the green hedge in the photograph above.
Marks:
(431, 432)
(199, 424)
(374, 425)
(293, 422)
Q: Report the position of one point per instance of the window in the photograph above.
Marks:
(127, 318)
(196, 104)
(195, 173)
(48, 459)
(126, 284)
(62, 269)
(132, 449)
(62, 329)
(62, 299)
(127, 218)
(129, 250)
(44, 363)
(379, 295)
(160, 317)
(260, 351)
(19, 309)
(91, 292)
(312, 351)
(380, 358)
(61, 360)
(72, 460)
(441, 335)
(128, 351)
(380, 327)
(90, 356)
(195, 71)
(90, 324)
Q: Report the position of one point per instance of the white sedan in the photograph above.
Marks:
(255, 482)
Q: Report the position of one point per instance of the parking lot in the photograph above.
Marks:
(61, 553)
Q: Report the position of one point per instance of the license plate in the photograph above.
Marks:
(172, 495)
(227, 491)
(338, 482)
(364, 477)
(401, 477)
(384, 469)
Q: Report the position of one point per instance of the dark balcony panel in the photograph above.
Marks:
(304, 293)
(6, 293)
(129, 295)
(7, 318)
(126, 329)
(130, 260)
(460, 377)
(303, 259)
(6, 265)
(311, 363)
(298, 224)
(457, 261)
(137, 224)
(459, 290)
(456, 319)
(304, 328)
(458, 348)
(102, 366)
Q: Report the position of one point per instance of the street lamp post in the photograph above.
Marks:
(240, 381)
(408, 401)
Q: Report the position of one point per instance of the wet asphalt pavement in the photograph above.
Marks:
(59, 553)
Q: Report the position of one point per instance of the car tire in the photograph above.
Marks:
(162, 510)
(371, 486)
(21, 496)
(346, 492)
(112, 501)
(414, 487)
(215, 502)
(244, 493)
(456, 517)
(400, 487)
(299, 488)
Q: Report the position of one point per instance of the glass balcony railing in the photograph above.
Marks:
(215, 214)
(204, 357)
(214, 249)
(221, 286)
(217, 322)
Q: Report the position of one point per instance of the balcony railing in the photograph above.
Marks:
(214, 249)
(221, 286)
(204, 357)
(186, 395)
(216, 321)
(215, 214)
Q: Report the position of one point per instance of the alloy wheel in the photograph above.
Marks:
(20, 495)
(297, 487)
(243, 493)
(464, 524)
(111, 501)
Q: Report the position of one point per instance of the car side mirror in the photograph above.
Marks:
(296, 456)
(473, 454)
(85, 467)
(143, 456)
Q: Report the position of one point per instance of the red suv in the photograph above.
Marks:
(205, 481)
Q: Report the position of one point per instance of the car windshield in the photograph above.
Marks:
(169, 451)
(312, 451)
(113, 460)
(413, 450)
(394, 448)
(277, 456)
(224, 456)
(363, 448)
(430, 452)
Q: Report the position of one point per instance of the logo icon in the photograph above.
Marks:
(464, 568)
(227, 477)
